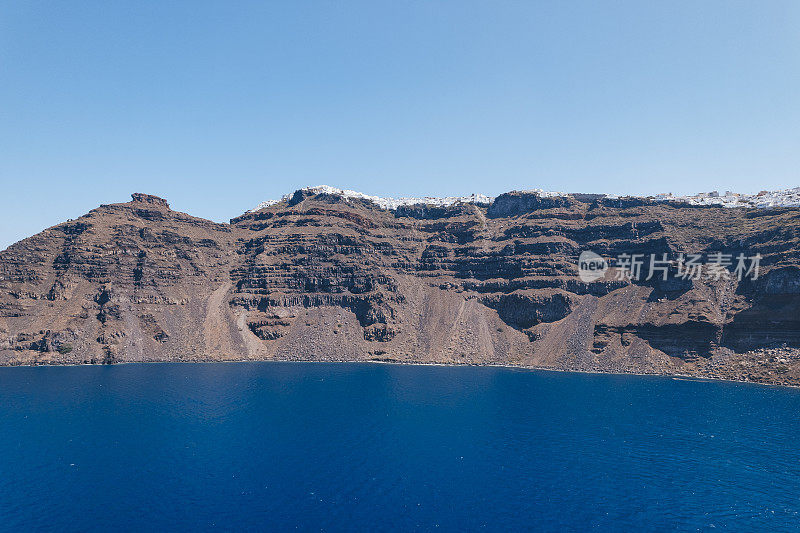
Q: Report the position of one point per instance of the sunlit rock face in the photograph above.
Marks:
(327, 274)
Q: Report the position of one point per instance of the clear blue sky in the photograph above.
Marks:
(219, 105)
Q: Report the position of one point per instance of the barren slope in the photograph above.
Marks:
(322, 277)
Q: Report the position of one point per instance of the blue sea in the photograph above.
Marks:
(333, 447)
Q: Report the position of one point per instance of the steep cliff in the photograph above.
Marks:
(326, 276)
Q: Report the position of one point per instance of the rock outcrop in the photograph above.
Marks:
(324, 276)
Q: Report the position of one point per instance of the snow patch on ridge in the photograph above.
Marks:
(384, 203)
(764, 199)
(780, 198)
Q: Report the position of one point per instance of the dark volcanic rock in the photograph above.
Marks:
(322, 277)
(149, 199)
(518, 203)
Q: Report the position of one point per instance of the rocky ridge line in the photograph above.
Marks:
(762, 199)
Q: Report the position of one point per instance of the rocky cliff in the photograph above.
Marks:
(324, 276)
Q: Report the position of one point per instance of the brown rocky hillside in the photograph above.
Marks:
(323, 277)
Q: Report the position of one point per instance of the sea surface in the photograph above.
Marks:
(313, 446)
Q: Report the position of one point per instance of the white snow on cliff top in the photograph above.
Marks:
(780, 198)
(763, 199)
(384, 203)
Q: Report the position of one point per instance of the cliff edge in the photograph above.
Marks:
(324, 275)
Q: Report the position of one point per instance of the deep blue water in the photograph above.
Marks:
(357, 446)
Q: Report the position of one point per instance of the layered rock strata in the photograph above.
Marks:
(322, 276)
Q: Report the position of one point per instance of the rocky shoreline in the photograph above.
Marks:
(711, 377)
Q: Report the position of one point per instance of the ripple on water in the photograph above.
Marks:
(251, 445)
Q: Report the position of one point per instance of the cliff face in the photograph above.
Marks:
(322, 277)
